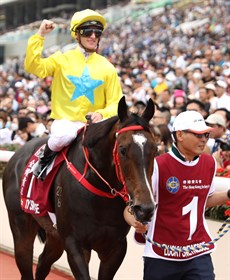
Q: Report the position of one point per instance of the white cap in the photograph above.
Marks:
(192, 121)
(210, 86)
(216, 119)
(221, 84)
(226, 72)
(18, 84)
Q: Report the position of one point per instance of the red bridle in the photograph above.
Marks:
(81, 177)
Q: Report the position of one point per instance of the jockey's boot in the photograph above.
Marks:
(45, 158)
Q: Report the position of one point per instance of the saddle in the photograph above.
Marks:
(34, 193)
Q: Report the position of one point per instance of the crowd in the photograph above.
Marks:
(181, 60)
(180, 68)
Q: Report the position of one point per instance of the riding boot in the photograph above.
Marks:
(45, 158)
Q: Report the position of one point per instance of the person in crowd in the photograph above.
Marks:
(196, 105)
(207, 75)
(223, 99)
(42, 108)
(179, 99)
(84, 82)
(204, 99)
(165, 136)
(181, 79)
(212, 98)
(139, 92)
(208, 54)
(161, 83)
(222, 155)
(5, 131)
(139, 107)
(183, 187)
(35, 129)
(218, 123)
(226, 114)
(7, 105)
(22, 112)
(218, 58)
(21, 137)
(162, 116)
(165, 99)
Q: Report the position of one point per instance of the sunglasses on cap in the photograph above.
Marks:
(197, 135)
(87, 32)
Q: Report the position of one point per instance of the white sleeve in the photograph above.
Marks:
(155, 180)
(212, 187)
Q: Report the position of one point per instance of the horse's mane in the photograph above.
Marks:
(97, 131)
(135, 119)
(100, 130)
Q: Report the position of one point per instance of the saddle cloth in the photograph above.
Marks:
(34, 193)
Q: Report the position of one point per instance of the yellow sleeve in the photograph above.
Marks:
(34, 63)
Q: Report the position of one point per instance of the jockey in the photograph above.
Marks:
(83, 82)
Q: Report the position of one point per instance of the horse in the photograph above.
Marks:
(118, 153)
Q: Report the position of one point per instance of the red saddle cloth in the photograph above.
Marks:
(34, 193)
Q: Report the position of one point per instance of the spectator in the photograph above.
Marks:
(139, 107)
(179, 99)
(161, 84)
(207, 75)
(139, 93)
(180, 61)
(196, 105)
(222, 155)
(211, 91)
(164, 99)
(21, 137)
(5, 132)
(180, 79)
(223, 100)
(162, 116)
(204, 98)
(35, 129)
(226, 114)
(165, 137)
(217, 122)
(42, 108)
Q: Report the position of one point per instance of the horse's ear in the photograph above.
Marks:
(122, 109)
(149, 111)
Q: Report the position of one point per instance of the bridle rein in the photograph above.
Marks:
(81, 177)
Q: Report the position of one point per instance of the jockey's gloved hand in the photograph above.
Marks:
(88, 118)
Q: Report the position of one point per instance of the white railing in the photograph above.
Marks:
(6, 155)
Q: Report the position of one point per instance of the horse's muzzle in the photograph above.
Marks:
(143, 213)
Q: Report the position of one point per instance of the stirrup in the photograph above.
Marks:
(42, 174)
(37, 173)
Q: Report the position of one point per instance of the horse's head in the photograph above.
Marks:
(136, 150)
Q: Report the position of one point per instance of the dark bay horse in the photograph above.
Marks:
(121, 151)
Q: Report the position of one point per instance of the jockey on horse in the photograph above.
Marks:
(79, 88)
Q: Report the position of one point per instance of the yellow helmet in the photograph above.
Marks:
(85, 16)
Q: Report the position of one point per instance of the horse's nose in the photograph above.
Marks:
(143, 213)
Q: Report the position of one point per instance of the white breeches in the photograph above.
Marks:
(63, 132)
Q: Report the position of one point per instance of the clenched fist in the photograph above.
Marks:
(46, 27)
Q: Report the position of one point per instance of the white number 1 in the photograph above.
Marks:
(192, 208)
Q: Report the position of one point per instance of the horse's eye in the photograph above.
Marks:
(123, 151)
